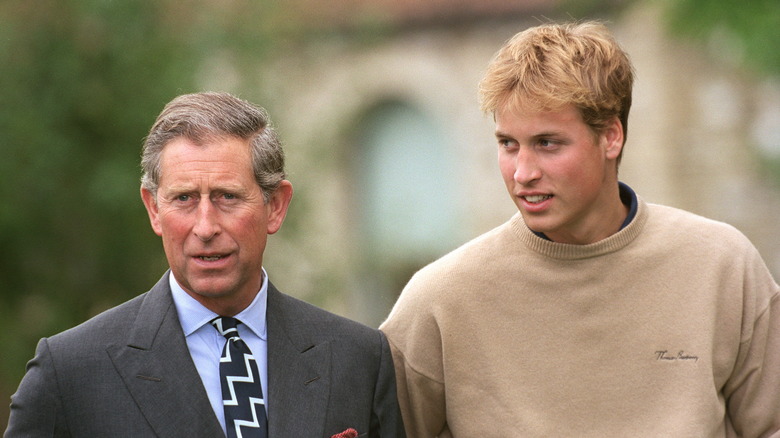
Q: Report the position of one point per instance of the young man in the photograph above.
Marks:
(590, 313)
(213, 349)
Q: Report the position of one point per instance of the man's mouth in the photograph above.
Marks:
(535, 199)
(210, 258)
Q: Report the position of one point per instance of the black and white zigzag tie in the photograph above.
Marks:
(242, 393)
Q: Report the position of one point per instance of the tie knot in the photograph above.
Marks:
(226, 326)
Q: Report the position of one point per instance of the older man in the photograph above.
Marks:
(213, 348)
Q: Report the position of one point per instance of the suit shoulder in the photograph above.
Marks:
(93, 333)
(302, 318)
(313, 314)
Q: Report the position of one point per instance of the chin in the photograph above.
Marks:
(538, 226)
(213, 291)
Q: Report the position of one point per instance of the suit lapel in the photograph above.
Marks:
(157, 369)
(298, 371)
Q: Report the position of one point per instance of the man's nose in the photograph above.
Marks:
(206, 221)
(527, 168)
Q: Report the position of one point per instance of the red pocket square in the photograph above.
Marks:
(349, 433)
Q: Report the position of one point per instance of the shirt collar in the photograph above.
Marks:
(194, 315)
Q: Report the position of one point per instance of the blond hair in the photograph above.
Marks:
(552, 65)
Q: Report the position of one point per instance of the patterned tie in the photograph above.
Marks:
(242, 393)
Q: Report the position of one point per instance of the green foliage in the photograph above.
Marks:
(748, 30)
(82, 82)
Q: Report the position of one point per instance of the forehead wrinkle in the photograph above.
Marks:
(188, 168)
(212, 181)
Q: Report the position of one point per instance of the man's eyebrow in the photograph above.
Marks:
(184, 188)
(502, 134)
(547, 134)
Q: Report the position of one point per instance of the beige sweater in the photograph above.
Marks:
(669, 328)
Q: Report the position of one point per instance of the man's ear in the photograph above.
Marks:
(277, 206)
(150, 202)
(613, 138)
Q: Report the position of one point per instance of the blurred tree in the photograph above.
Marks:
(81, 83)
(740, 31)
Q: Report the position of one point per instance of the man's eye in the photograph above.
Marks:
(504, 143)
(229, 196)
(183, 198)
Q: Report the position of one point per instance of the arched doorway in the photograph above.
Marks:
(406, 190)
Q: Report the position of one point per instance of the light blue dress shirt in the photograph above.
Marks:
(205, 342)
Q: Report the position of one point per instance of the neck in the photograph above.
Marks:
(605, 219)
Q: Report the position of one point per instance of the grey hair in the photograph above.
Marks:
(207, 116)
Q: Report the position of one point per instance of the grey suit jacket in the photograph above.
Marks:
(128, 373)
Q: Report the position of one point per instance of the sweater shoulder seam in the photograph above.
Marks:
(407, 364)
